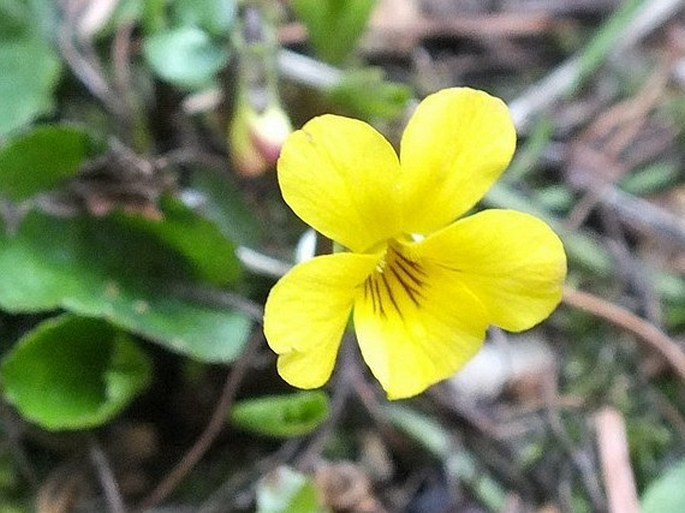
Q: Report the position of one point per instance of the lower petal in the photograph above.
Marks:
(513, 262)
(307, 311)
(414, 332)
(312, 368)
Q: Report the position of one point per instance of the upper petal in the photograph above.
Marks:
(339, 175)
(307, 311)
(416, 324)
(513, 262)
(454, 148)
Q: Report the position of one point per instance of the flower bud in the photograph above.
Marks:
(256, 137)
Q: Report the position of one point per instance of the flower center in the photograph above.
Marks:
(396, 284)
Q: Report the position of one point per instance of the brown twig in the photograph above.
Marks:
(612, 442)
(120, 55)
(390, 32)
(211, 431)
(619, 316)
(106, 477)
(543, 94)
(84, 62)
(343, 386)
(220, 298)
(597, 156)
(13, 433)
(581, 460)
(222, 500)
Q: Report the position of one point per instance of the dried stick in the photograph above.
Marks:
(106, 477)
(211, 431)
(559, 82)
(644, 330)
(85, 65)
(346, 376)
(612, 442)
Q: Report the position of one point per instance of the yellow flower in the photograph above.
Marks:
(422, 287)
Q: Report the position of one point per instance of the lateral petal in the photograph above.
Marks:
(339, 176)
(453, 149)
(416, 324)
(307, 311)
(513, 262)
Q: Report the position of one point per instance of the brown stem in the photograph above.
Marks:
(619, 316)
(211, 431)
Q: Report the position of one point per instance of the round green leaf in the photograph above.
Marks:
(282, 415)
(185, 56)
(216, 16)
(109, 269)
(366, 93)
(13, 19)
(40, 159)
(225, 205)
(196, 238)
(666, 493)
(30, 70)
(74, 373)
(334, 27)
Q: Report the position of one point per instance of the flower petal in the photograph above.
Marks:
(339, 176)
(416, 324)
(307, 311)
(513, 262)
(455, 146)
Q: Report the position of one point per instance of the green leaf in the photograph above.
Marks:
(334, 26)
(287, 491)
(185, 56)
(105, 268)
(602, 43)
(282, 415)
(14, 16)
(424, 429)
(367, 94)
(652, 179)
(74, 373)
(40, 159)
(30, 70)
(226, 207)
(666, 493)
(197, 239)
(215, 16)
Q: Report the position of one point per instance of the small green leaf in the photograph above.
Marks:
(74, 373)
(226, 207)
(367, 94)
(14, 17)
(422, 428)
(666, 493)
(106, 268)
(282, 415)
(30, 70)
(40, 159)
(215, 16)
(197, 239)
(287, 491)
(651, 179)
(334, 26)
(185, 56)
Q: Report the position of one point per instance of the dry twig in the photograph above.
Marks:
(645, 331)
(211, 431)
(616, 470)
(559, 82)
(106, 476)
